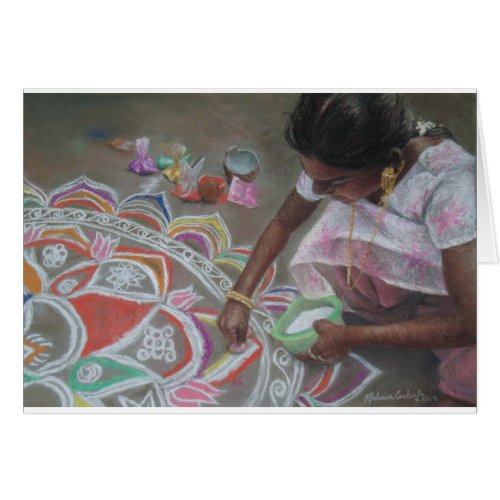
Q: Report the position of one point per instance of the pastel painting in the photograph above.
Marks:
(215, 250)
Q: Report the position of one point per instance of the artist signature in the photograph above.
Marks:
(417, 396)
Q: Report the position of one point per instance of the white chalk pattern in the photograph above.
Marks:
(54, 255)
(124, 276)
(157, 344)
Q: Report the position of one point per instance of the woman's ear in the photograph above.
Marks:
(396, 156)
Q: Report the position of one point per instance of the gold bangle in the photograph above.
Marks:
(239, 297)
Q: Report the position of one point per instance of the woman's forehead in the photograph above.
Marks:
(320, 171)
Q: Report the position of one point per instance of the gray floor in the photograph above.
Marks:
(58, 149)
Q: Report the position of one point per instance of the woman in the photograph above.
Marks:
(396, 243)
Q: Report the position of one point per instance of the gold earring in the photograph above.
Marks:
(389, 178)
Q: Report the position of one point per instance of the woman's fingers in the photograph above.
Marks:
(230, 332)
(310, 356)
(326, 357)
(241, 347)
(235, 335)
(330, 345)
(336, 355)
(303, 357)
(324, 328)
(233, 323)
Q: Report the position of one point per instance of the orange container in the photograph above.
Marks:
(210, 187)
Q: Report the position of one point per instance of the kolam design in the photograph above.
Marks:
(120, 308)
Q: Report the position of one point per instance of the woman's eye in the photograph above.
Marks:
(338, 183)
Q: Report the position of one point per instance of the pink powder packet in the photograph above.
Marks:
(243, 193)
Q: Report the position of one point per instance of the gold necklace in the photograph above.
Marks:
(388, 183)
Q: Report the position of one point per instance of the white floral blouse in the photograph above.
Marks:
(433, 207)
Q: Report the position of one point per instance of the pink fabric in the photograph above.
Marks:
(371, 298)
(381, 303)
(243, 193)
(458, 373)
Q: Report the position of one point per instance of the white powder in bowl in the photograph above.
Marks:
(305, 319)
(242, 162)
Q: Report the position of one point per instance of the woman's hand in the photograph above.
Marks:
(233, 323)
(332, 345)
(233, 320)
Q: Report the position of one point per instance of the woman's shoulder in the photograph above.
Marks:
(441, 170)
(445, 156)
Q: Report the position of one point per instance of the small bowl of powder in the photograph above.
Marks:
(295, 327)
(241, 163)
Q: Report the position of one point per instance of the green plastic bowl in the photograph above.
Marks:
(302, 341)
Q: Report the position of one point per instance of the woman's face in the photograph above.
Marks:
(342, 184)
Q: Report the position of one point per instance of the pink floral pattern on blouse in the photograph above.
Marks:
(449, 219)
(416, 259)
(432, 208)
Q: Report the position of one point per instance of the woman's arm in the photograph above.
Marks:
(430, 332)
(233, 320)
(294, 211)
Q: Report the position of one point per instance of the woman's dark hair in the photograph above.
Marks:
(350, 130)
